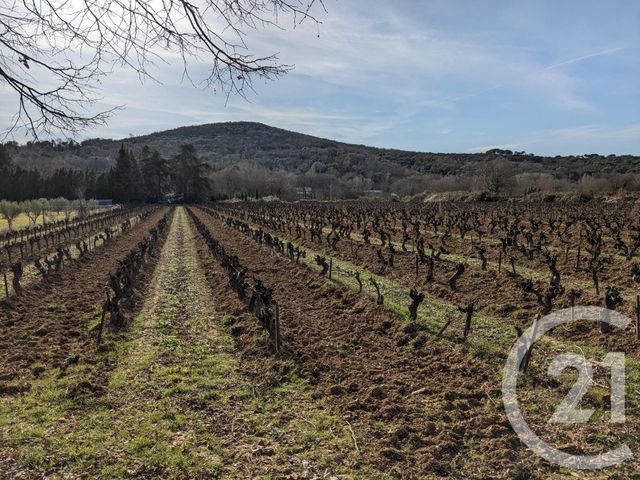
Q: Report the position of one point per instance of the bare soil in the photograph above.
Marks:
(49, 324)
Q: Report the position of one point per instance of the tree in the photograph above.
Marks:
(7, 169)
(45, 206)
(32, 209)
(64, 183)
(9, 211)
(190, 174)
(54, 85)
(69, 209)
(126, 180)
(155, 172)
(497, 176)
(57, 206)
(83, 207)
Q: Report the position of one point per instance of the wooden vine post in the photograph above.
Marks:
(638, 317)
(6, 285)
(276, 334)
(105, 306)
(468, 311)
(527, 356)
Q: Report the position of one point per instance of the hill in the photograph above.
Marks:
(257, 146)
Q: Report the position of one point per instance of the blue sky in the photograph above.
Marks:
(550, 77)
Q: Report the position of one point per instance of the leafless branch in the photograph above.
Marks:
(54, 54)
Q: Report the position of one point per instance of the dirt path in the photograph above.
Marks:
(176, 400)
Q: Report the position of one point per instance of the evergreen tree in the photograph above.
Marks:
(156, 173)
(89, 184)
(125, 178)
(190, 174)
(7, 168)
(103, 188)
(25, 184)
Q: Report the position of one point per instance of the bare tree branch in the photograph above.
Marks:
(54, 53)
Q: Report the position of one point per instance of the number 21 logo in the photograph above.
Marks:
(568, 411)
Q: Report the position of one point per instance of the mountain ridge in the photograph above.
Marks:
(273, 148)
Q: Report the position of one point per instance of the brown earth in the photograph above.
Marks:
(418, 407)
(405, 419)
(49, 324)
(498, 295)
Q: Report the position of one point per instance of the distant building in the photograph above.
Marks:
(373, 193)
(104, 203)
(304, 192)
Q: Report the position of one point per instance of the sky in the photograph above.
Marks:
(549, 77)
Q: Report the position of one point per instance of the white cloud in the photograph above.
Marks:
(598, 132)
(411, 61)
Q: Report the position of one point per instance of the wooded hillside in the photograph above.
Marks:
(240, 152)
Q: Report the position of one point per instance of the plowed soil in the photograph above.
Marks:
(346, 346)
(499, 295)
(49, 324)
(356, 392)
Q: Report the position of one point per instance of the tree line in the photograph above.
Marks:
(143, 174)
(147, 177)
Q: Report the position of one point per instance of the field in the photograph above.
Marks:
(22, 220)
(351, 340)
